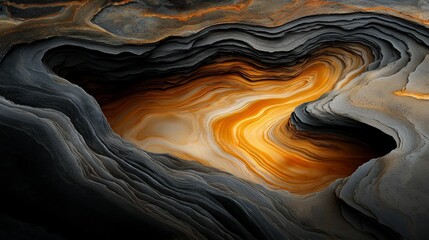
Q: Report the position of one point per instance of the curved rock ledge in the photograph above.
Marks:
(61, 160)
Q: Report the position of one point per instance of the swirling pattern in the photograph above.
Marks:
(232, 115)
(357, 80)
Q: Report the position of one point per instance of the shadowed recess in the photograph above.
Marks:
(233, 112)
(284, 109)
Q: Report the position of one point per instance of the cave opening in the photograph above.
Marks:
(233, 112)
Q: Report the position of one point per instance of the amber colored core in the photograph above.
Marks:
(233, 115)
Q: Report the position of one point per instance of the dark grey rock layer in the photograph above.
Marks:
(65, 174)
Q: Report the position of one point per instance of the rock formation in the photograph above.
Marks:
(202, 120)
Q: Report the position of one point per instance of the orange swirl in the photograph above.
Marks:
(233, 115)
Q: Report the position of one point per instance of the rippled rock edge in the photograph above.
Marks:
(65, 174)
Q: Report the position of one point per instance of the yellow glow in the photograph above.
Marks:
(420, 96)
(233, 115)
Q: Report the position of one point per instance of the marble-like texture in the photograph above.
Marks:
(234, 114)
(65, 174)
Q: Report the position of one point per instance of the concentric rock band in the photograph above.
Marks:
(66, 174)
